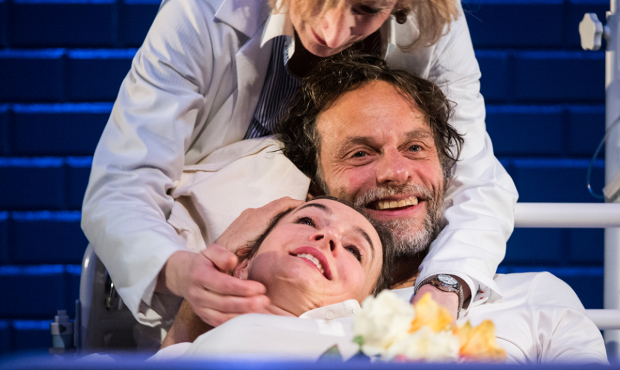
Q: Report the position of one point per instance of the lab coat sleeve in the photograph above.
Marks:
(141, 152)
(480, 198)
(563, 332)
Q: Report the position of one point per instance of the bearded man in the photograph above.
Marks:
(379, 138)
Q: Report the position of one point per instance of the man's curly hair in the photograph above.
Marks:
(340, 74)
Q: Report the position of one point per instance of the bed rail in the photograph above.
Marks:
(569, 215)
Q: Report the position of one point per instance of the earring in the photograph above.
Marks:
(401, 16)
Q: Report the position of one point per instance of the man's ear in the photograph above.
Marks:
(243, 268)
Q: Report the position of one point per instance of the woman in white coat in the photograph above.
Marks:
(213, 72)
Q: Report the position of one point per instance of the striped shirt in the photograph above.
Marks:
(278, 90)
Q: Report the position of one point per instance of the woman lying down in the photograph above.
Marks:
(318, 262)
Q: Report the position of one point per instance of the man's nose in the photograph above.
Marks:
(393, 168)
(328, 240)
(336, 26)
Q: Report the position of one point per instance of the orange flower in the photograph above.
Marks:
(430, 313)
(479, 344)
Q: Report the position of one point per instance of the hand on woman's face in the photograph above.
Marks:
(321, 253)
(339, 27)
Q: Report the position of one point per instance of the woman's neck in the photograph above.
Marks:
(303, 62)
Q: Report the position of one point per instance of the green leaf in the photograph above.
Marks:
(359, 340)
(332, 354)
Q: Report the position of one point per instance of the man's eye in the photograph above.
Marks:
(306, 221)
(415, 148)
(365, 10)
(359, 154)
(353, 250)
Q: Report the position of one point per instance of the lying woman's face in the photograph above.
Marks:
(321, 253)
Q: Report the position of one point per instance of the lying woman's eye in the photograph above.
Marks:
(355, 252)
(306, 221)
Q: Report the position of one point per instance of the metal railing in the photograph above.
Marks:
(585, 215)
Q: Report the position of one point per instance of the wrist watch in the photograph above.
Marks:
(445, 283)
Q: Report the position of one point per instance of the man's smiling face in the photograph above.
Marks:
(378, 151)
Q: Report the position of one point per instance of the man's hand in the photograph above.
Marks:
(253, 222)
(449, 300)
(215, 296)
(203, 279)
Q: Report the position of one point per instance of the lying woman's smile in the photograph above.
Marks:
(327, 238)
(315, 258)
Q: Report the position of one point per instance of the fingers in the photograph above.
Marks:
(231, 297)
(282, 204)
(222, 258)
(232, 304)
(221, 283)
(252, 222)
(207, 276)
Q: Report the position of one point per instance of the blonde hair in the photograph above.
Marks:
(430, 16)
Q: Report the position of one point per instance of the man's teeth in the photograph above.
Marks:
(312, 259)
(388, 204)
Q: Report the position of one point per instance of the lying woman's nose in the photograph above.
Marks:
(328, 240)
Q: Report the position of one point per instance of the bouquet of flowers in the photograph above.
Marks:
(392, 330)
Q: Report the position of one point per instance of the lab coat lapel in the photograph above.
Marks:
(251, 62)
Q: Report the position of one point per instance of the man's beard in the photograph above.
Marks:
(411, 236)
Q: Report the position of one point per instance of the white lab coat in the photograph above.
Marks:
(192, 89)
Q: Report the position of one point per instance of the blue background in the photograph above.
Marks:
(62, 62)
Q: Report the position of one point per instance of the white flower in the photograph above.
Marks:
(425, 344)
(382, 321)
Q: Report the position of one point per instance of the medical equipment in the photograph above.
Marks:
(103, 323)
(62, 334)
(591, 31)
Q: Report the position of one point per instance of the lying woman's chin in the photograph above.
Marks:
(297, 288)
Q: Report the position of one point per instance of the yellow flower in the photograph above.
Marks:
(479, 344)
(430, 313)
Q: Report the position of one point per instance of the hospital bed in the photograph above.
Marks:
(104, 323)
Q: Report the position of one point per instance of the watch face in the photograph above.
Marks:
(447, 279)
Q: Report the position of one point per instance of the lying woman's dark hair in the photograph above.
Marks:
(387, 243)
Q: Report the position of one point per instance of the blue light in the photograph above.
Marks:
(63, 1)
(62, 216)
(557, 163)
(103, 54)
(31, 324)
(33, 54)
(31, 162)
(31, 270)
(557, 271)
(64, 108)
(555, 55)
(527, 109)
(80, 161)
(74, 269)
